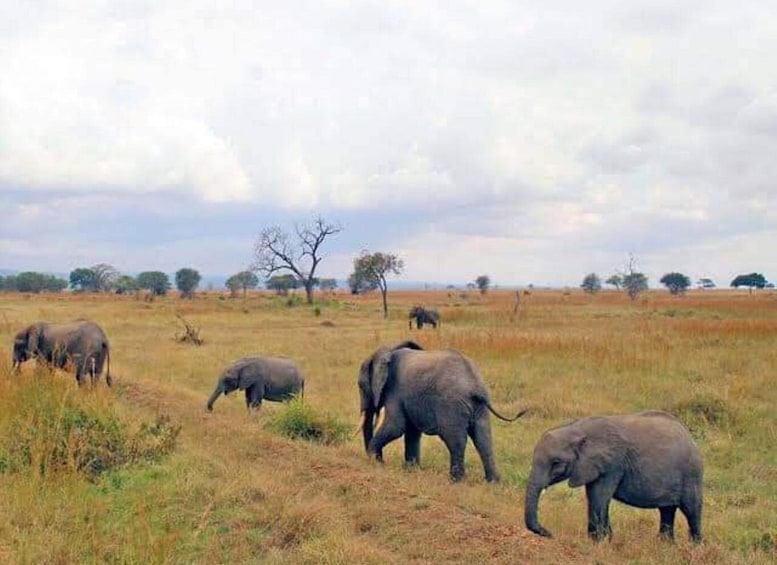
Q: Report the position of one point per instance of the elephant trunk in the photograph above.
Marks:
(533, 491)
(214, 396)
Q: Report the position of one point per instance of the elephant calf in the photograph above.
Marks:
(647, 460)
(262, 378)
(427, 392)
(80, 345)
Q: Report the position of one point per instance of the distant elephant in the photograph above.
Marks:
(422, 316)
(80, 345)
(431, 392)
(262, 378)
(647, 460)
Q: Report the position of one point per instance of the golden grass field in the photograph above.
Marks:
(233, 491)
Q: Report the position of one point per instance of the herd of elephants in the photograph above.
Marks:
(646, 460)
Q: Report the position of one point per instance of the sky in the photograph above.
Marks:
(533, 142)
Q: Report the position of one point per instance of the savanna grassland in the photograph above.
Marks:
(174, 484)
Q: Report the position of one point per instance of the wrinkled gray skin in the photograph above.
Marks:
(262, 378)
(80, 345)
(422, 316)
(647, 460)
(431, 392)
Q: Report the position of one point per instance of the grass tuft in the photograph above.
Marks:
(703, 412)
(298, 420)
(50, 427)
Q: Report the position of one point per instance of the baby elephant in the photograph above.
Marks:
(271, 378)
(647, 460)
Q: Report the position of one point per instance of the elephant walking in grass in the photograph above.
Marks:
(426, 392)
(422, 316)
(262, 378)
(647, 460)
(81, 346)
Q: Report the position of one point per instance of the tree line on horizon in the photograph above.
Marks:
(290, 259)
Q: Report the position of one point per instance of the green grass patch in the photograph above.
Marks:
(298, 420)
(49, 426)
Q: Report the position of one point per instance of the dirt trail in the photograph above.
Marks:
(403, 516)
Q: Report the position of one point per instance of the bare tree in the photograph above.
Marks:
(632, 280)
(105, 277)
(276, 251)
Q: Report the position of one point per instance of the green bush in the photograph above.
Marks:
(298, 420)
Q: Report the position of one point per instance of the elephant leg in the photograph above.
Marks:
(666, 529)
(412, 445)
(480, 432)
(392, 428)
(692, 511)
(599, 493)
(254, 395)
(456, 442)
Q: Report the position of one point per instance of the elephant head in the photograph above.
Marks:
(414, 313)
(26, 344)
(229, 381)
(373, 378)
(569, 452)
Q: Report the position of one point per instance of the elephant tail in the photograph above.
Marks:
(108, 377)
(504, 418)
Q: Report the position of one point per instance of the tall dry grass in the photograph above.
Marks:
(234, 490)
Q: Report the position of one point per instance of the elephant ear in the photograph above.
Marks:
(380, 375)
(598, 450)
(245, 376)
(34, 335)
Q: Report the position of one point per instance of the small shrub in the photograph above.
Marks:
(299, 421)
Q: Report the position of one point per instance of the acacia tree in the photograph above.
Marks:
(752, 280)
(616, 281)
(282, 284)
(591, 283)
(276, 251)
(483, 282)
(374, 268)
(677, 283)
(242, 280)
(157, 282)
(186, 281)
(82, 279)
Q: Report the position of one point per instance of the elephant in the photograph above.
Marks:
(426, 392)
(646, 460)
(81, 345)
(262, 378)
(422, 316)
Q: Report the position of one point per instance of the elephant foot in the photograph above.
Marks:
(599, 534)
(540, 531)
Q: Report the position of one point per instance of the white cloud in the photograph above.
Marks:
(570, 130)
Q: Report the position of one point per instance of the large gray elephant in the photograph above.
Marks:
(431, 392)
(422, 316)
(262, 378)
(647, 460)
(80, 345)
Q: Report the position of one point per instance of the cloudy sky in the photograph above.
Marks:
(532, 143)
